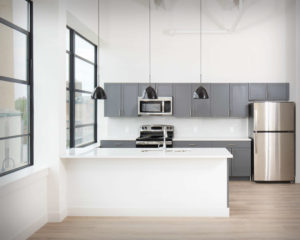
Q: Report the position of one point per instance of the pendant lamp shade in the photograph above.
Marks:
(99, 93)
(149, 93)
(200, 93)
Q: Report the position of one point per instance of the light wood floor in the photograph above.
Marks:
(258, 211)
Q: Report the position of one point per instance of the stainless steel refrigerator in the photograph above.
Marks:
(272, 128)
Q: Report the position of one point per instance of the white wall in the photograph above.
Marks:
(50, 97)
(262, 49)
(23, 208)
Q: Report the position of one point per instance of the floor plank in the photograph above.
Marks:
(258, 211)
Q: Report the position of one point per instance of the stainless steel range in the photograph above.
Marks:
(153, 136)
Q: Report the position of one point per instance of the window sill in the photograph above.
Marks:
(19, 178)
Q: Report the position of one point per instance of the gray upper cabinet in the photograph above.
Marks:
(130, 100)
(219, 99)
(258, 91)
(239, 100)
(112, 105)
(200, 107)
(182, 99)
(241, 162)
(164, 89)
(278, 91)
(268, 91)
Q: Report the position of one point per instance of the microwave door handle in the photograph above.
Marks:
(163, 107)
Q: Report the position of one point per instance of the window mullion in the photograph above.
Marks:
(72, 89)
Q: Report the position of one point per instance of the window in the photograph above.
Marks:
(16, 85)
(81, 81)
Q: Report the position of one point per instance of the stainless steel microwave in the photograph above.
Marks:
(155, 107)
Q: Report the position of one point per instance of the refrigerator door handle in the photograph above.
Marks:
(255, 143)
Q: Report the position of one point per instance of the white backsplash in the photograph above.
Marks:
(184, 128)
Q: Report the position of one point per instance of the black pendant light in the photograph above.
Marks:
(200, 92)
(99, 92)
(149, 92)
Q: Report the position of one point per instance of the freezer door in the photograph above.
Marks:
(274, 116)
(274, 157)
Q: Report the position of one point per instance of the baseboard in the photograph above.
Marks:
(31, 229)
(135, 212)
(57, 216)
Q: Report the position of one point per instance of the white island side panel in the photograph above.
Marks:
(186, 186)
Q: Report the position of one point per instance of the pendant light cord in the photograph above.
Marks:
(200, 41)
(149, 41)
(98, 47)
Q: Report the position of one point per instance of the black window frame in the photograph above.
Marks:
(28, 82)
(72, 90)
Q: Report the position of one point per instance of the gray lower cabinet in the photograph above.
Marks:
(278, 91)
(112, 105)
(200, 107)
(192, 144)
(182, 100)
(239, 100)
(219, 94)
(129, 103)
(241, 162)
(238, 166)
(117, 144)
(164, 89)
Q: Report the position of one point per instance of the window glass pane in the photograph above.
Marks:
(84, 109)
(84, 135)
(15, 12)
(84, 75)
(13, 153)
(68, 137)
(67, 39)
(13, 53)
(68, 108)
(67, 70)
(14, 105)
(84, 49)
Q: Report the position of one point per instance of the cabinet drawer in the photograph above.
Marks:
(117, 144)
(231, 144)
(192, 144)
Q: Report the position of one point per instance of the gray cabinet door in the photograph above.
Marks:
(200, 107)
(164, 89)
(241, 162)
(219, 99)
(143, 86)
(112, 105)
(258, 91)
(130, 100)
(278, 91)
(239, 100)
(182, 100)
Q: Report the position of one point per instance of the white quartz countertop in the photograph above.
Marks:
(212, 139)
(147, 153)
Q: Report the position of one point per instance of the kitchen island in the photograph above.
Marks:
(147, 182)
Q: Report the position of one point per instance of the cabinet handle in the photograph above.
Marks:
(190, 111)
(118, 144)
(267, 94)
(119, 112)
(231, 145)
(192, 144)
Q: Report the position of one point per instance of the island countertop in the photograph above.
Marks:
(147, 153)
